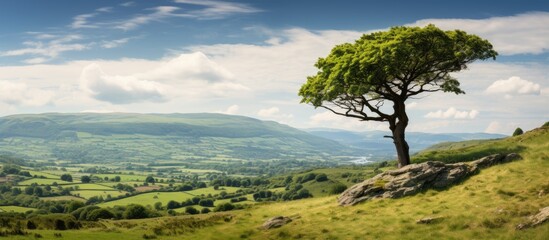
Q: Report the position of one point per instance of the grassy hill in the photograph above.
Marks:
(373, 143)
(127, 137)
(486, 206)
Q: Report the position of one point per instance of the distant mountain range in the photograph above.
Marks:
(374, 143)
(146, 138)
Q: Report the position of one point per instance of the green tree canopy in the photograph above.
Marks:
(135, 211)
(357, 79)
(66, 177)
(85, 179)
(518, 131)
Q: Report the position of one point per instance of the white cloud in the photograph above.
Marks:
(217, 9)
(268, 112)
(47, 50)
(104, 9)
(81, 21)
(453, 113)
(120, 89)
(493, 127)
(194, 66)
(273, 113)
(522, 33)
(502, 128)
(37, 60)
(233, 109)
(22, 94)
(210, 10)
(411, 105)
(127, 4)
(514, 86)
(188, 76)
(158, 13)
(114, 43)
(283, 65)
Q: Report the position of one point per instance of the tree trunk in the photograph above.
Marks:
(398, 127)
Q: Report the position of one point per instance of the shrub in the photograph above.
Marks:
(191, 210)
(308, 177)
(205, 210)
(517, 132)
(206, 203)
(101, 213)
(338, 188)
(135, 211)
(224, 207)
(173, 205)
(85, 179)
(31, 225)
(82, 213)
(158, 205)
(66, 177)
(321, 177)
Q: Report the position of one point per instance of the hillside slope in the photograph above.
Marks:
(93, 137)
(486, 206)
(373, 142)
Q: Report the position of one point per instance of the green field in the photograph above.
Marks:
(15, 209)
(42, 181)
(62, 198)
(47, 175)
(164, 197)
(99, 193)
(90, 186)
(149, 199)
(124, 177)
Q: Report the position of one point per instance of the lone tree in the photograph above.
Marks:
(357, 79)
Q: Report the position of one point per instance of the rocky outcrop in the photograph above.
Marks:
(414, 178)
(535, 220)
(276, 222)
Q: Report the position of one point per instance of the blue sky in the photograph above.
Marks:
(250, 57)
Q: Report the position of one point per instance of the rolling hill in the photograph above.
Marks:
(128, 137)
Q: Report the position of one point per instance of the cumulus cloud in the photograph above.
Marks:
(21, 94)
(514, 86)
(273, 113)
(522, 33)
(120, 89)
(233, 109)
(453, 113)
(186, 76)
(190, 67)
(280, 65)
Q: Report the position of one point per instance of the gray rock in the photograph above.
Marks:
(276, 222)
(429, 220)
(414, 178)
(535, 220)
